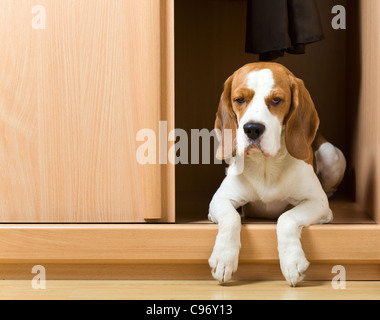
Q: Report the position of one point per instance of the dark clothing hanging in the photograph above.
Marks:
(276, 26)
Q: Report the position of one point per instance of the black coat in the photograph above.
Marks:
(276, 26)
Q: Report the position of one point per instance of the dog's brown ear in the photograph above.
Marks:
(302, 121)
(226, 124)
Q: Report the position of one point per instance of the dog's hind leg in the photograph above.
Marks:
(330, 164)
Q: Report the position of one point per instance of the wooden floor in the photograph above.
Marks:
(187, 290)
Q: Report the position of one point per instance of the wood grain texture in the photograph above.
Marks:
(178, 271)
(191, 243)
(367, 153)
(72, 99)
(188, 290)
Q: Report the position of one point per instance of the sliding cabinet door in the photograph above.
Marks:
(78, 80)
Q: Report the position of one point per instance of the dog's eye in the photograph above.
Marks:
(276, 101)
(240, 101)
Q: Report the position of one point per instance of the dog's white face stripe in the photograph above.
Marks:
(262, 83)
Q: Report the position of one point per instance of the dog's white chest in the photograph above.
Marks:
(277, 180)
(267, 178)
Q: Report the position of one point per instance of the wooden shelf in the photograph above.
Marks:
(178, 251)
(192, 243)
(345, 212)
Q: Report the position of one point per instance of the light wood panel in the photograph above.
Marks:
(72, 99)
(187, 290)
(367, 150)
(178, 271)
(165, 243)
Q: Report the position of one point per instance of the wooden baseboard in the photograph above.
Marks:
(246, 272)
(187, 243)
(173, 251)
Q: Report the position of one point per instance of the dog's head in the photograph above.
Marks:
(260, 103)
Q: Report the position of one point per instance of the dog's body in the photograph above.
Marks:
(287, 165)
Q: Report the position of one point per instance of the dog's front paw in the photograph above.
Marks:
(224, 261)
(293, 267)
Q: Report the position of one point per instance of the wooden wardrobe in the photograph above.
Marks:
(75, 93)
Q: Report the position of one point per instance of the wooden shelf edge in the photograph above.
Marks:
(175, 243)
(245, 272)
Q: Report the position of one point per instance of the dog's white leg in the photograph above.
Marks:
(225, 256)
(289, 227)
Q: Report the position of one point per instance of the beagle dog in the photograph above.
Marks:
(267, 118)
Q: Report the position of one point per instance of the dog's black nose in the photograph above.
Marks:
(254, 130)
